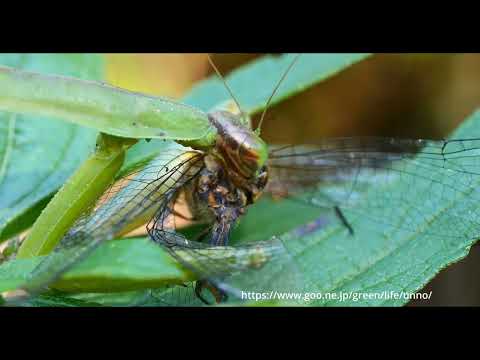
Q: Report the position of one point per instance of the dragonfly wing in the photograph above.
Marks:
(265, 270)
(236, 270)
(270, 272)
(386, 183)
(298, 168)
(388, 190)
(128, 203)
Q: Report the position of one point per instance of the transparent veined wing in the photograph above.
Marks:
(394, 193)
(171, 295)
(388, 183)
(388, 190)
(237, 270)
(129, 203)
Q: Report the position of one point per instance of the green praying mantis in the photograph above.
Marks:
(363, 182)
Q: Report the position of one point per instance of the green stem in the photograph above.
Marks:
(80, 192)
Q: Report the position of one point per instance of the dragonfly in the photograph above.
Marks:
(362, 186)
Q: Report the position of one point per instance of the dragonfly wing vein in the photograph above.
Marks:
(128, 203)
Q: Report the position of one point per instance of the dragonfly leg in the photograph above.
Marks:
(201, 235)
(181, 216)
(343, 219)
(219, 295)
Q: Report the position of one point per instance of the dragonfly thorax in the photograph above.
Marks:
(217, 199)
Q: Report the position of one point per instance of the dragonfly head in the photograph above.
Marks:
(244, 153)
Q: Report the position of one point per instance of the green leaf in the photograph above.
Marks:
(25, 220)
(164, 296)
(121, 265)
(57, 300)
(137, 263)
(379, 257)
(38, 154)
(253, 83)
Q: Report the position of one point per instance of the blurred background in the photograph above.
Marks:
(402, 95)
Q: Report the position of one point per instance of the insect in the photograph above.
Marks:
(353, 178)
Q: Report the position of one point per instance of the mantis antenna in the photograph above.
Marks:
(219, 74)
(259, 127)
